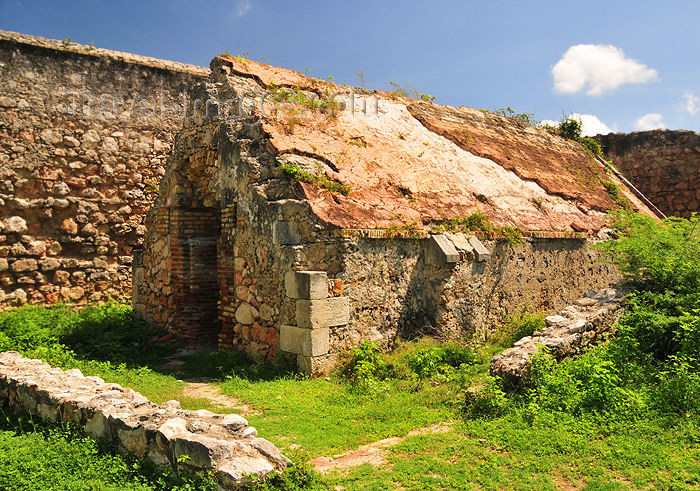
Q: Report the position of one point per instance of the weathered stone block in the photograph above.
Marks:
(302, 341)
(285, 233)
(461, 242)
(326, 312)
(441, 251)
(480, 251)
(306, 285)
(316, 365)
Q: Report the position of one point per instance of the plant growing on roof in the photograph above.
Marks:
(296, 173)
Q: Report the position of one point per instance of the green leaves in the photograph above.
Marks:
(657, 255)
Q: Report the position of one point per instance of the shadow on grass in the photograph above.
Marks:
(108, 333)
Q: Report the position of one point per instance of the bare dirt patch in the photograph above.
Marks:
(197, 389)
(374, 453)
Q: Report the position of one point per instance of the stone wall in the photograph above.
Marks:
(84, 138)
(164, 433)
(662, 164)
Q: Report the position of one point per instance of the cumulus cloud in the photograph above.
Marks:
(599, 68)
(691, 103)
(651, 121)
(242, 7)
(590, 124)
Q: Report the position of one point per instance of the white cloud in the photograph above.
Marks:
(242, 7)
(691, 103)
(600, 67)
(590, 124)
(651, 121)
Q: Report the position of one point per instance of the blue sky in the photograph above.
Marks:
(638, 67)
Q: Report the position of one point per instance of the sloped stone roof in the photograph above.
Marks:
(421, 163)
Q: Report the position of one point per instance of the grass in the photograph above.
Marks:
(623, 415)
(34, 456)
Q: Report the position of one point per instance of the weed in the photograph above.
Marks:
(486, 401)
(570, 128)
(614, 192)
(443, 360)
(152, 187)
(517, 326)
(477, 221)
(509, 112)
(410, 93)
(296, 173)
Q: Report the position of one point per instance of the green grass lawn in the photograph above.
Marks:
(517, 448)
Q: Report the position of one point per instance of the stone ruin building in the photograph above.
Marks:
(297, 231)
(299, 216)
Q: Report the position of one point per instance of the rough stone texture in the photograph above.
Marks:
(662, 164)
(77, 179)
(580, 325)
(224, 444)
(228, 227)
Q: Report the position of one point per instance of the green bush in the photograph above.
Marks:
(443, 360)
(366, 367)
(518, 326)
(652, 364)
(589, 384)
(570, 128)
(592, 146)
(657, 256)
(105, 332)
(486, 401)
(296, 477)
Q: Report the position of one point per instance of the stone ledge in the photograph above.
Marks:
(224, 444)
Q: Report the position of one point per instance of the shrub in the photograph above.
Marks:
(652, 363)
(570, 128)
(588, 384)
(295, 477)
(366, 366)
(592, 147)
(486, 401)
(657, 256)
(443, 360)
(518, 326)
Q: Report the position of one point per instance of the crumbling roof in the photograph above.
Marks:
(420, 163)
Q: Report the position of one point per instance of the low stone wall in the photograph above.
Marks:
(579, 325)
(662, 164)
(165, 433)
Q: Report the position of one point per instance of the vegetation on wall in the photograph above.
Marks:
(296, 173)
(478, 222)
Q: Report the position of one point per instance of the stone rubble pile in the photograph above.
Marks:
(577, 326)
(165, 433)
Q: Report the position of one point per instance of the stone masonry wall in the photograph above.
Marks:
(662, 164)
(84, 137)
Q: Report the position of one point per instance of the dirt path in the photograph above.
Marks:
(374, 453)
(206, 390)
